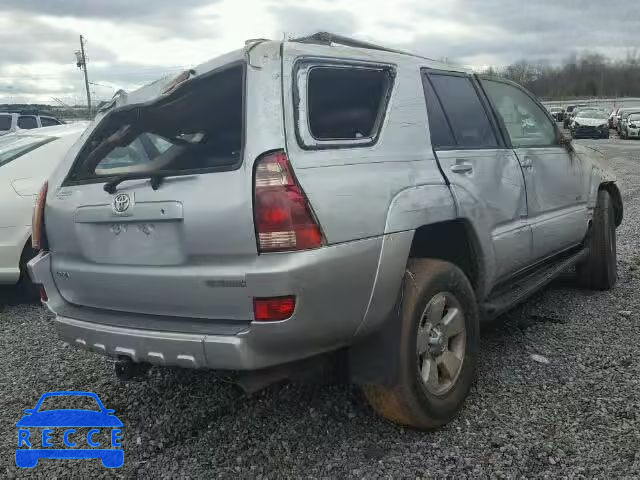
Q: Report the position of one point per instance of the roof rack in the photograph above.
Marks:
(328, 38)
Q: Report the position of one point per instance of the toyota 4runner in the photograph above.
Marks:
(295, 198)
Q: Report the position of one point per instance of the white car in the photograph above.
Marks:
(590, 123)
(27, 158)
(14, 122)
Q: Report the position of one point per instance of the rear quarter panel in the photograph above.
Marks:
(367, 191)
(387, 189)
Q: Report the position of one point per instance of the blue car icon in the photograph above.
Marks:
(68, 418)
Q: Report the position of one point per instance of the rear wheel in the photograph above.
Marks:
(438, 347)
(599, 270)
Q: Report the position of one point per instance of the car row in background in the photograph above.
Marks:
(624, 117)
(585, 121)
(14, 121)
(27, 158)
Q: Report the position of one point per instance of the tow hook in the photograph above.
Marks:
(126, 369)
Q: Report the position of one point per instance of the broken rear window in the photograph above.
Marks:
(346, 102)
(198, 128)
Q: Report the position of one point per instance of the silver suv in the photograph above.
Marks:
(292, 199)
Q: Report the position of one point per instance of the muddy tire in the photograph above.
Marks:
(439, 336)
(599, 270)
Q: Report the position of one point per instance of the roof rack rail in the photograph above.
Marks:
(328, 38)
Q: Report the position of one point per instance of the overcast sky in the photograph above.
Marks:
(131, 42)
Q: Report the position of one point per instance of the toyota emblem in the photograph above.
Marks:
(121, 203)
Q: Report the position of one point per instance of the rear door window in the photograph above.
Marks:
(5, 122)
(27, 122)
(467, 117)
(441, 134)
(198, 128)
(48, 121)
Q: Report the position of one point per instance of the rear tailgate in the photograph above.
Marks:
(176, 253)
(182, 249)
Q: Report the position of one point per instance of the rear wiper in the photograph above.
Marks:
(156, 179)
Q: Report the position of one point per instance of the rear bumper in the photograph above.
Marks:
(335, 286)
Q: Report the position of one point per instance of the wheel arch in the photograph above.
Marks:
(616, 198)
(453, 241)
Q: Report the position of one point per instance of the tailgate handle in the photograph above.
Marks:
(139, 212)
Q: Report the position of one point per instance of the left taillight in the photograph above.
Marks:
(37, 224)
(284, 220)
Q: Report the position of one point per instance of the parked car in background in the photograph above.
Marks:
(624, 121)
(590, 123)
(557, 113)
(580, 110)
(27, 158)
(12, 121)
(619, 115)
(632, 129)
(568, 118)
(351, 199)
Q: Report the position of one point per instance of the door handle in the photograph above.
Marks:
(526, 163)
(461, 167)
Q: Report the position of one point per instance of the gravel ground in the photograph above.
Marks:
(574, 417)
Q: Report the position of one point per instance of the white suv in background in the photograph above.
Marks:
(11, 122)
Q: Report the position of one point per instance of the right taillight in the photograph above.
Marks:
(283, 216)
(37, 223)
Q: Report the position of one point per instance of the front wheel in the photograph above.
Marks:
(599, 270)
(439, 336)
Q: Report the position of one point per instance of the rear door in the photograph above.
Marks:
(182, 246)
(555, 179)
(484, 174)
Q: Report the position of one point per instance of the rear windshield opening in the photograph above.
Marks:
(345, 103)
(199, 128)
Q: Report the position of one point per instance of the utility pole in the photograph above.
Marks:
(81, 62)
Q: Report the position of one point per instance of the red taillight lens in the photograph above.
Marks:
(37, 222)
(283, 217)
(43, 294)
(272, 309)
